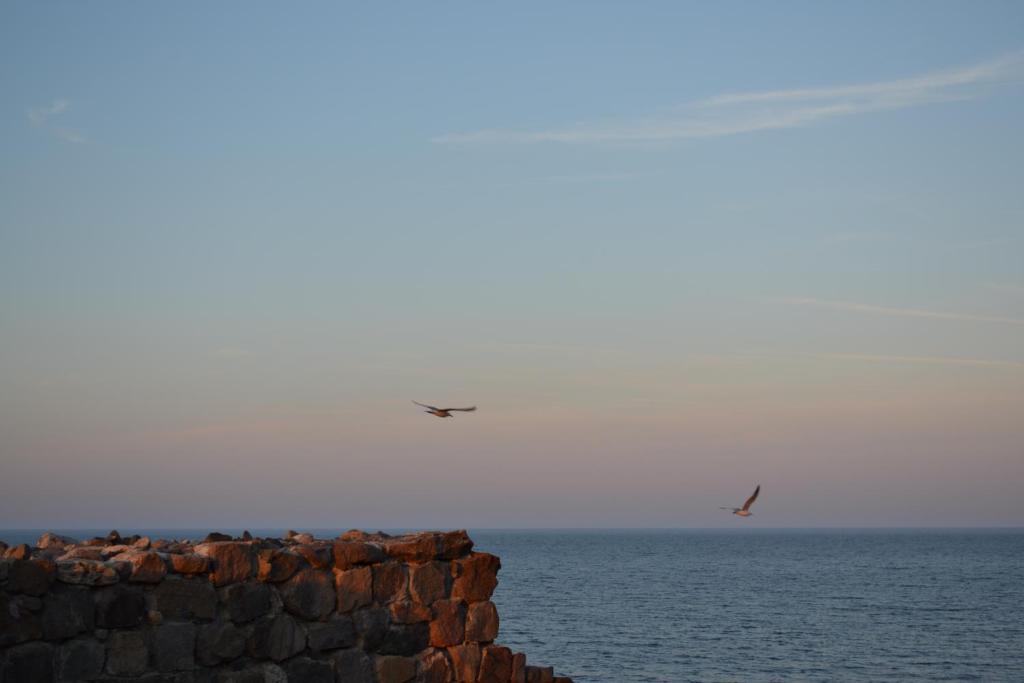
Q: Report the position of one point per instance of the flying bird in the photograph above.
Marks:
(443, 412)
(745, 510)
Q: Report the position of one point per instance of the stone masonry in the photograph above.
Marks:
(362, 608)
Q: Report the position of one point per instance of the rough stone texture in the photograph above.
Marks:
(127, 654)
(309, 594)
(366, 608)
(476, 577)
(354, 588)
(482, 622)
(232, 561)
(52, 540)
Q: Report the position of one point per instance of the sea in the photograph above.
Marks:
(622, 606)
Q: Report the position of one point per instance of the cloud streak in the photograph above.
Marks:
(38, 115)
(748, 112)
(898, 312)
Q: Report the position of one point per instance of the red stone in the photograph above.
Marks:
(354, 588)
(232, 560)
(348, 554)
(495, 665)
(406, 612)
(476, 577)
(449, 624)
(429, 582)
(390, 582)
(465, 661)
(190, 563)
(482, 622)
(277, 565)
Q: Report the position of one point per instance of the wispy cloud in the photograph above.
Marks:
(899, 312)
(928, 360)
(38, 115)
(747, 112)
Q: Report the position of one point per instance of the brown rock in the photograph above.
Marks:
(190, 563)
(395, 669)
(434, 668)
(354, 588)
(406, 612)
(18, 552)
(390, 582)
(476, 577)
(465, 662)
(429, 582)
(562, 679)
(84, 552)
(142, 543)
(86, 573)
(351, 553)
(277, 565)
(448, 626)
(232, 561)
(495, 665)
(518, 668)
(454, 544)
(421, 547)
(482, 622)
(352, 666)
(276, 638)
(309, 594)
(540, 674)
(52, 540)
(318, 556)
(146, 567)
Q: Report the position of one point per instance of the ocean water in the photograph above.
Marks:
(755, 605)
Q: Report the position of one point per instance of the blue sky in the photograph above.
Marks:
(670, 250)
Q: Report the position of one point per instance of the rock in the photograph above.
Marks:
(476, 577)
(434, 668)
(146, 567)
(190, 563)
(539, 674)
(429, 582)
(67, 613)
(18, 622)
(318, 556)
(352, 666)
(372, 626)
(276, 638)
(84, 552)
(390, 582)
(395, 669)
(421, 547)
(79, 660)
(181, 598)
(354, 588)
(482, 622)
(217, 537)
(31, 577)
(174, 647)
(518, 668)
(18, 552)
(113, 538)
(86, 573)
(495, 665)
(309, 594)
(142, 543)
(232, 561)
(454, 544)
(405, 639)
(349, 554)
(277, 565)
(407, 612)
(246, 601)
(303, 538)
(246, 536)
(309, 670)
(465, 662)
(218, 642)
(29, 662)
(127, 654)
(336, 633)
(561, 679)
(52, 540)
(119, 607)
(449, 623)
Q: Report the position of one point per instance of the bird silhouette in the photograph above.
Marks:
(443, 412)
(745, 510)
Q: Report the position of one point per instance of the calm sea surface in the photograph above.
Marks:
(755, 605)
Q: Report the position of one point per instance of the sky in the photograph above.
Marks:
(670, 250)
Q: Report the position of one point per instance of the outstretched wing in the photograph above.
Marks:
(424, 405)
(464, 410)
(750, 501)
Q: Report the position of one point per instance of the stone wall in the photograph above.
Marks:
(362, 608)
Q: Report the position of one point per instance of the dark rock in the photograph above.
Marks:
(219, 642)
(405, 639)
(246, 601)
(482, 622)
(119, 606)
(454, 544)
(29, 576)
(246, 536)
(449, 624)
(174, 647)
(338, 632)
(232, 562)
(79, 660)
(518, 668)
(276, 638)
(309, 594)
(127, 654)
(495, 665)
(407, 612)
(390, 582)
(372, 626)
(180, 598)
(351, 553)
(67, 613)
(18, 622)
(318, 556)
(309, 670)
(113, 538)
(216, 537)
(476, 577)
(277, 565)
(539, 674)
(395, 669)
(29, 662)
(354, 588)
(352, 666)
(429, 582)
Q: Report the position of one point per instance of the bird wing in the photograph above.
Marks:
(424, 405)
(465, 410)
(750, 501)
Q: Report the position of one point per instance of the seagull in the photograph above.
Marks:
(443, 412)
(745, 510)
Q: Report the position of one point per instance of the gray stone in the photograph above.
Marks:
(174, 647)
(120, 606)
(52, 540)
(352, 666)
(18, 622)
(29, 662)
(309, 670)
(219, 642)
(372, 626)
(178, 598)
(395, 669)
(246, 601)
(405, 639)
(67, 613)
(309, 594)
(86, 573)
(127, 654)
(79, 660)
(331, 635)
(276, 638)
